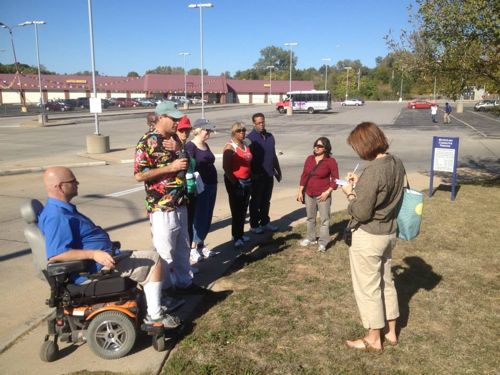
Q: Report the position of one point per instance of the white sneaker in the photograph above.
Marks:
(245, 238)
(206, 252)
(321, 248)
(306, 242)
(257, 230)
(270, 227)
(239, 243)
(194, 256)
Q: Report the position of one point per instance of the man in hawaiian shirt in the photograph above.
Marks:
(158, 166)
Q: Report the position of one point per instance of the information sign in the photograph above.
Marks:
(444, 159)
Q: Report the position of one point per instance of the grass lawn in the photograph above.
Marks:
(291, 308)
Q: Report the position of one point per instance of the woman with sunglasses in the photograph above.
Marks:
(316, 185)
(198, 149)
(236, 163)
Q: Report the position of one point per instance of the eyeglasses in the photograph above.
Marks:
(242, 130)
(73, 181)
(319, 146)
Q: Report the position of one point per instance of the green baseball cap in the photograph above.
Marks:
(168, 108)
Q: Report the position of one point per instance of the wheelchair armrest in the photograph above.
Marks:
(61, 268)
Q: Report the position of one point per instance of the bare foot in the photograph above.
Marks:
(364, 344)
(390, 340)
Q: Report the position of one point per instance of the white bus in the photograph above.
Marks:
(310, 101)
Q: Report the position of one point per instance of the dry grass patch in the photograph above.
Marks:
(292, 308)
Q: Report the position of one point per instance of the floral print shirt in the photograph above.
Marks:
(167, 192)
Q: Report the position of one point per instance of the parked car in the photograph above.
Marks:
(85, 103)
(353, 101)
(198, 101)
(419, 104)
(486, 104)
(145, 102)
(58, 105)
(126, 102)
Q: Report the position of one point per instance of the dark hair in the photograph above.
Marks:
(326, 143)
(151, 119)
(368, 140)
(258, 114)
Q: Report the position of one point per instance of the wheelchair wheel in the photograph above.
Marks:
(111, 335)
(159, 342)
(49, 351)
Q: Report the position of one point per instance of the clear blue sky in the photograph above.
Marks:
(133, 35)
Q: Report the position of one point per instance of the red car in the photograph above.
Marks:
(419, 104)
(125, 102)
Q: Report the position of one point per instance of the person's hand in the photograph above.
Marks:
(104, 258)
(324, 196)
(300, 197)
(179, 165)
(171, 144)
(348, 189)
(352, 178)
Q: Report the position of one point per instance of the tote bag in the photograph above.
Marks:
(410, 214)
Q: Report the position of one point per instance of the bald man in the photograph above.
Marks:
(71, 236)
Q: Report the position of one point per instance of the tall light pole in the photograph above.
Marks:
(36, 23)
(326, 59)
(23, 98)
(291, 44)
(184, 54)
(435, 74)
(347, 81)
(401, 89)
(201, 6)
(270, 67)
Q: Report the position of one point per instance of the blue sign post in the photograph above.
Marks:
(444, 159)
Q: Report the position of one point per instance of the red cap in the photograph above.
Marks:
(184, 123)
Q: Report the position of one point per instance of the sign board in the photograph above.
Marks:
(444, 159)
(95, 105)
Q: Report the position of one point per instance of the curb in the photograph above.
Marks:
(9, 172)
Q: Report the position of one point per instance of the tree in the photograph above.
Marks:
(133, 74)
(85, 73)
(276, 56)
(457, 40)
(166, 70)
(196, 72)
(23, 68)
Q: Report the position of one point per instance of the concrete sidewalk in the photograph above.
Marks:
(22, 355)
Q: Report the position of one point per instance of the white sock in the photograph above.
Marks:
(152, 291)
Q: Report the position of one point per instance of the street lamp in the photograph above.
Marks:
(270, 67)
(201, 6)
(435, 74)
(23, 98)
(184, 54)
(291, 44)
(36, 23)
(347, 81)
(326, 69)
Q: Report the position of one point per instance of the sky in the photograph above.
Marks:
(140, 35)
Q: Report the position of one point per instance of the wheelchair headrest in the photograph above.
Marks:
(30, 210)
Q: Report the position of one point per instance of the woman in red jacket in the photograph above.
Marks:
(316, 185)
(236, 164)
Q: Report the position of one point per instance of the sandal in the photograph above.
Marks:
(366, 346)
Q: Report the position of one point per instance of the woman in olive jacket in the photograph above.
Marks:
(374, 200)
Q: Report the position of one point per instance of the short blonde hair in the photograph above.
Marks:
(196, 131)
(236, 126)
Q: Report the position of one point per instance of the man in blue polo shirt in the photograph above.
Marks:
(70, 236)
(265, 166)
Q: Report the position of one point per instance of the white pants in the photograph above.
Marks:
(171, 240)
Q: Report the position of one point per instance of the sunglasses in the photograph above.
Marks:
(240, 130)
(73, 181)
(319, 146)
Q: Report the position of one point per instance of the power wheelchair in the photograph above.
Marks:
(106, 312)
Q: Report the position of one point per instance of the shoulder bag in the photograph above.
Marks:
(410, 213)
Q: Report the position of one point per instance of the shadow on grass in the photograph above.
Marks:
(409, 279)
(337, 231)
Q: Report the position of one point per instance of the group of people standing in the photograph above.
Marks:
(180, 181)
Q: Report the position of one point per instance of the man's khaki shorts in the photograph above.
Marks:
(138, 266)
